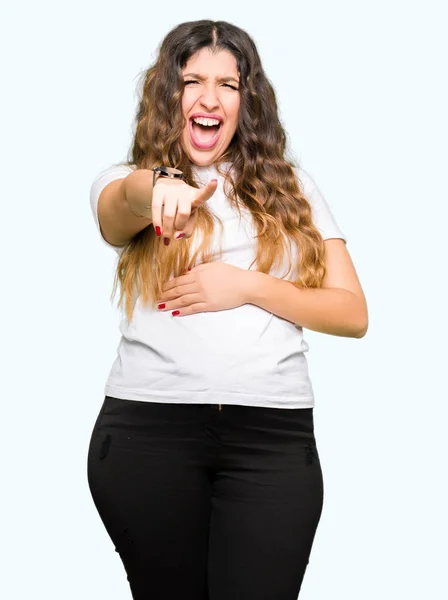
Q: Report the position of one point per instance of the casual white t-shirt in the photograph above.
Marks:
(245, 355)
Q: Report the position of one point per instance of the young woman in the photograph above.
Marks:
(203, 463)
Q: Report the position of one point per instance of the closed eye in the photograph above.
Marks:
(225, 84)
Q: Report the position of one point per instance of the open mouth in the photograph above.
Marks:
(205, 133)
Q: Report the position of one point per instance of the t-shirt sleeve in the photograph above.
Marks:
(99, 183)
(322, 215)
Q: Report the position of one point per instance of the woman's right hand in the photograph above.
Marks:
(174, 205)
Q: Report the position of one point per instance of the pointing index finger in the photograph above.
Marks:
(205, 193)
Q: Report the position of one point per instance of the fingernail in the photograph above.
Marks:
(161, 306)
(179, 236)
(158, 231)
(189, 269)
(175, 313)
(214, 180)
(166, 241)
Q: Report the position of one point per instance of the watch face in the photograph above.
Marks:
(168, 172)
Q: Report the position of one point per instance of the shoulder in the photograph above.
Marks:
(112, 172)
(307, 183)
(106, 176)
(322, 214)
(101, 180)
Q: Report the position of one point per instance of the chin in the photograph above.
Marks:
(205, 162)
(202, 159)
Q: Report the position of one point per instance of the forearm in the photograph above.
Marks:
(138, 195)
(333, 311)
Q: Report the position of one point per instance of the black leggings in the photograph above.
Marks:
(207, 503)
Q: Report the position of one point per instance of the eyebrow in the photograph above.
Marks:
(201, 78)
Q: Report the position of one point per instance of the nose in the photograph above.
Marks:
(209, 98)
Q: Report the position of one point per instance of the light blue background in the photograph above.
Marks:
(362, 90)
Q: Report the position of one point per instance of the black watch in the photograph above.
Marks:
(169, 172)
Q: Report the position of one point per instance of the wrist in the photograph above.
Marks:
(253, 283)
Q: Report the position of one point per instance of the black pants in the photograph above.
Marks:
(203, 503)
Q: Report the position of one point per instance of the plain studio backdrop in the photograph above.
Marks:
(362, 91)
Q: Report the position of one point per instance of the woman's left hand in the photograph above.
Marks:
(208, 287)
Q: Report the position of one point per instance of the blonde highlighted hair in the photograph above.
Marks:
(262, 179)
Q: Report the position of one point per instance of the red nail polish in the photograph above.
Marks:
(161, 306)
(175, 313)
(189, 269)
(179, 236)
(158, 231)
(166, 241)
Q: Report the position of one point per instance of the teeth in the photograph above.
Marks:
(204, 121)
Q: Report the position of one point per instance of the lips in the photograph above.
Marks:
(201, 145)
(207, 116)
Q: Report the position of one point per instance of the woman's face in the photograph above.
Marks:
(211, 93)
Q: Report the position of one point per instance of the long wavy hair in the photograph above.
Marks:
(262, 179)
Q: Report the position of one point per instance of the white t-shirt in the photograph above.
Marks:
(245, 355)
